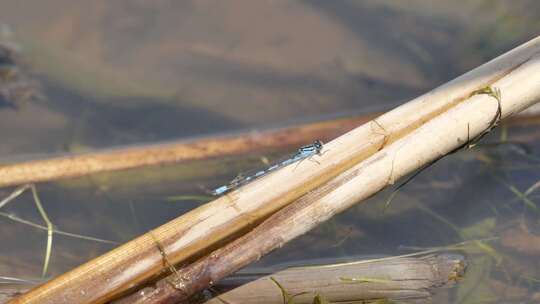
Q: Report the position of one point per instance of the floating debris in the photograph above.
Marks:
(16, 87)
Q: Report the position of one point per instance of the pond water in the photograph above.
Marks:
(106, 74)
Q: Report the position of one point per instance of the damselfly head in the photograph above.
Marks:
(318, 144)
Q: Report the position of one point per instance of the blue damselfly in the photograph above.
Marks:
(303, 152)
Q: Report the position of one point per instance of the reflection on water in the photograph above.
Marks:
(123, 72)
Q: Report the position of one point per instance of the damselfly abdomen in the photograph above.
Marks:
(303, 152)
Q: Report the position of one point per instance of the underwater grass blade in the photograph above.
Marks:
(50, 229)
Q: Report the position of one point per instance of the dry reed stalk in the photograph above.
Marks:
(411, 279)
(395, 278)
(44, 170)
(412, 135)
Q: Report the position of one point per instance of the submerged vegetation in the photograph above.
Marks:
(16, 88)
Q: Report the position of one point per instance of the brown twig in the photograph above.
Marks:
(174, 152)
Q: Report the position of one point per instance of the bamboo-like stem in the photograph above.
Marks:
(411, 279)
(366, 159)
(173, 152)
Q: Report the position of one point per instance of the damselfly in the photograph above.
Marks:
(303, 152)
